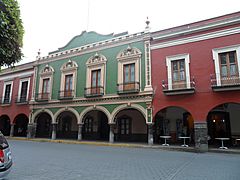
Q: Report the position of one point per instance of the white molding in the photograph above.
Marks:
(68, 109)
(20, 87)
(169, 60)
(16, 75)
(33, 119)
(215, 53)
(196, 38)
(4, 88)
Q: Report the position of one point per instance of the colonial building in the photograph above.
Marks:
(16, 92)
(195, 75)
(97, 87)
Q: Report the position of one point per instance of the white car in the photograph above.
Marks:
(5, 157)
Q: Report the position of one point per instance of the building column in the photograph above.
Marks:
(54, 131)
(31, 131)
(80, 131)
(111, 133)
(201, 136)
(150, 134)
(12, 130)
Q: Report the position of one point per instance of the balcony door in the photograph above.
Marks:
(24, 90)
(96, 81)
(68, 85)
(45, 88)
(178, 74)
(129, 77)
(229, 68)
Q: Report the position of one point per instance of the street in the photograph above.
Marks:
(48, 161)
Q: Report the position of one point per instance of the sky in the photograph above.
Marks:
(51, 24)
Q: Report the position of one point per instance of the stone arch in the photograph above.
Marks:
(88, 109)
(39, 112)
(126, 106)
(66, 109)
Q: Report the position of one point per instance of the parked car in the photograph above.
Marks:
(5, 157)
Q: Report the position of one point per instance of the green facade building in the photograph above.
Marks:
(97, 87)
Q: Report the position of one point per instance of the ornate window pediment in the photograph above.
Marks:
(47, 70)
(70, 65)
(96, 59)
(130, 52)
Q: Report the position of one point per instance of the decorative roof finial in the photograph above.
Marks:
(38, 54)
(147, 28)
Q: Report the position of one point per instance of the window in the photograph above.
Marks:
(68, 85)
(7, 94)
(96, 75)
(129, 73)
(178, 71)
(88, 125)
(124, 127)
(227, 62)
(24, 91)
(45, 86)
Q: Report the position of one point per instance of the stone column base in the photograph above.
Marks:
(201, 136)
(150, 135)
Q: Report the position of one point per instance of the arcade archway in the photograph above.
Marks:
(5, 125)
(43, 128)
(21, 125)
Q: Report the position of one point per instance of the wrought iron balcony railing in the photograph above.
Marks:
(130, 87)
(69, 94)
(42, 96)
(93, 91)
(219, 83)
(181, 87)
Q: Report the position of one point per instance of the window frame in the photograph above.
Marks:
(20, 88)
(46, 73)
(216, 59)
(10, 94)
(169, 60)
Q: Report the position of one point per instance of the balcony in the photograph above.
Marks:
(179, 87)
(94, 91)
(65, 95)
(5, 101)
(21, 100)
(42, 96)
(125, 88)
(219, 83)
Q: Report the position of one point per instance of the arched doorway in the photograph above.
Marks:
(21, 124)
(43, 129)
(130, 126)
(95, 126)
(174, 122)
(67, 127)
(5, 125)
(223, 122)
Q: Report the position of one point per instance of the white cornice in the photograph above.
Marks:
(201, 37)
(96, 46)
(15, 75)
(191, 28)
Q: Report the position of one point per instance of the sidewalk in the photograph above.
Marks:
(128, 145)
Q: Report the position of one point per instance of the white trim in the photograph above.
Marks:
(169, 60)
(196, 38)
(33, 119)
(215, 53)
(20, 88)
(67, 109)
(17, 75)
(4, 87)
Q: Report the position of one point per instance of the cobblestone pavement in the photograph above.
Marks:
(50, 161)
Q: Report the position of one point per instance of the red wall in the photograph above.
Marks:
(14, 109)
(201, 66)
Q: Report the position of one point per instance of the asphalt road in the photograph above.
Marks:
(50, 161)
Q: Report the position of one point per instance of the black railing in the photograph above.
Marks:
(42, 96)
(130, 87)
(224, 81)
(67, 94)
(21, 99)
(93, 91)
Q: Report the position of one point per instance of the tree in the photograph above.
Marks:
(11, 33)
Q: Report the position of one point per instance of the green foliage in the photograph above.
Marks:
(11, 33)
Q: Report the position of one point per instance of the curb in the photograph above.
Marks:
(95, 143)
